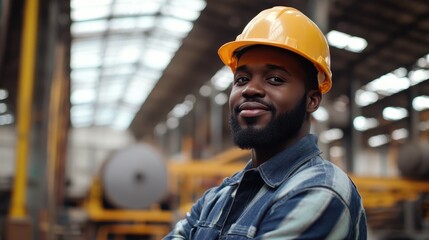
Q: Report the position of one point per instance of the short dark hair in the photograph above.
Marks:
(311, 82)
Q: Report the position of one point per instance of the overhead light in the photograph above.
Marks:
(221, 98)
(3, 108)
(419, 75)
(394, 113)
(378, 140)
(222, 78)
(361, 123)
(345, 41)
(331, 135)
(388, 84)
(3, 94)
(424, 126)
(6, 119)
(160, 129)
(172, 123)
(336, 151)
(182, 109)
(400, 134)
(321, 114)
(205, 90)
(421, 103)
(365, 98)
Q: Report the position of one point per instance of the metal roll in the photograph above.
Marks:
(413, 160)
(135, 177)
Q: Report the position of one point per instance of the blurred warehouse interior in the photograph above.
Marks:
(114, 115)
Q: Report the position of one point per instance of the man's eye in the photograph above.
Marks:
(240, 80)
(275, 80)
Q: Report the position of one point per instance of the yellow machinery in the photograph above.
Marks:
(132, 181)
(188, 180)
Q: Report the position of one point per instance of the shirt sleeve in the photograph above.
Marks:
(183, 228)
(315, 213)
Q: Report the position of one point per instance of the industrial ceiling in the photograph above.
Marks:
(397, 34)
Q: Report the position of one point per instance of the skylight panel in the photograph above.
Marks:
(78, 4)
(146, 22)
(123, 118)
(82, 115)
(94, 27)
(105, 115)
(87, 45)
(90, 13)
(196, 5)
(122, 55)
(156, 58)
(84, 75)
(123, 69)
(85, 59)
(136, 7)
(120, 49)
(181, 12)
(125, 23)
(175, 25)
(83, 96)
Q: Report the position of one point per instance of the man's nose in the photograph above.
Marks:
(254, 88)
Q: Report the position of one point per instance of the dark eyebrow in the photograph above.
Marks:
(242, 68)
(275, 67)
(269, 66)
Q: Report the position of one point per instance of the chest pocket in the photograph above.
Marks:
(239, 232)
(205, 230)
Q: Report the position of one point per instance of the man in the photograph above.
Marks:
(281, 69)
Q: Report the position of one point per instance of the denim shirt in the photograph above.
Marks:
(294, 195)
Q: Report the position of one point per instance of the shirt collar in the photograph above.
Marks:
(281, 166)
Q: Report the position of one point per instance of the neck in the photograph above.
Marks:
(261, 155)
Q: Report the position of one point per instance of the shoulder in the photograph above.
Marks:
(320, 174)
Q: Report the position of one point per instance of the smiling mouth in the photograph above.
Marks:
(252, 109)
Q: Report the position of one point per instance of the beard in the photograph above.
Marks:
(281, 128)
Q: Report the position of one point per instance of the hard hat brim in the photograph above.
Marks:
(227, 50)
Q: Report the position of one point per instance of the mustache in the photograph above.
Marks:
(269, 106)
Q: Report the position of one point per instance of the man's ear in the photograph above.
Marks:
(314, 97)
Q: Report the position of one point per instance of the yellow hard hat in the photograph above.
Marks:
(286, 28)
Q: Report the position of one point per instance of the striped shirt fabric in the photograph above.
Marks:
(294, 195)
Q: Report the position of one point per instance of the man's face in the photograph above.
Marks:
(268, 100)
